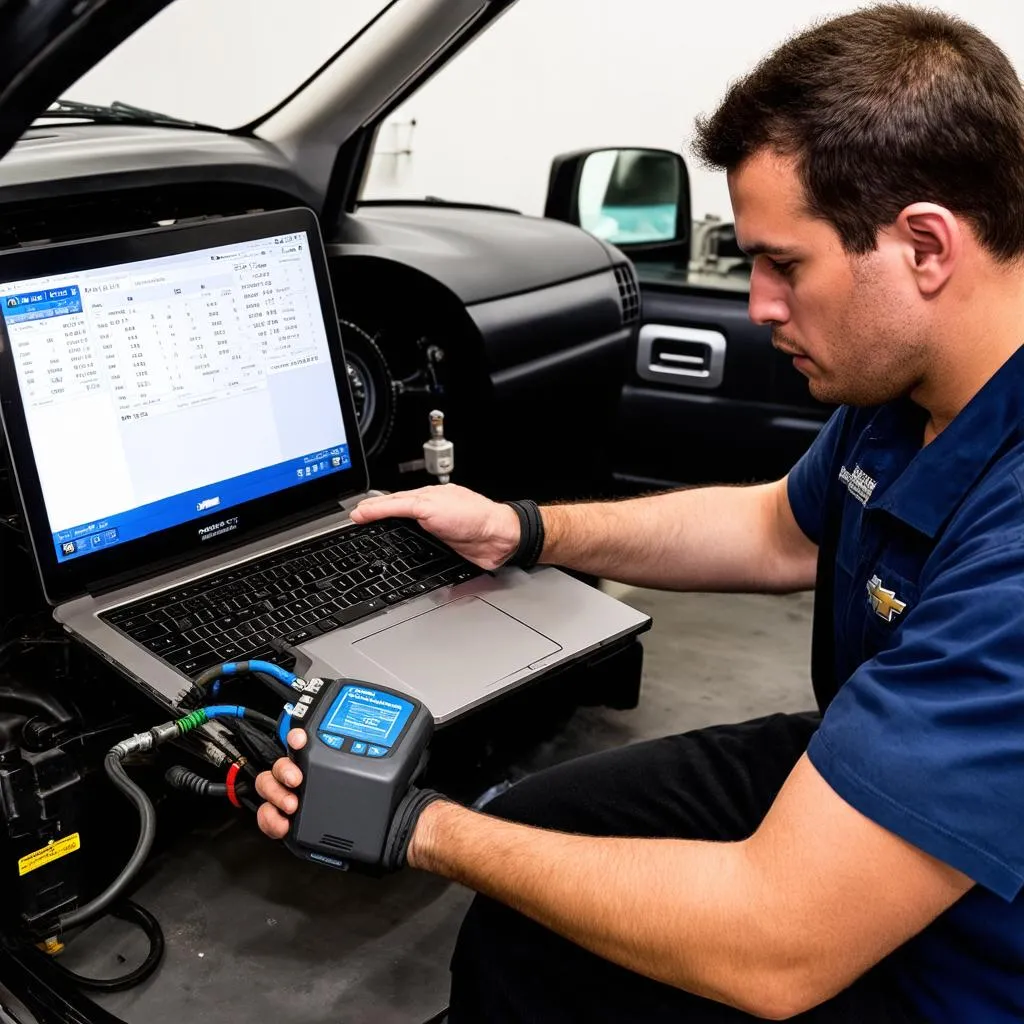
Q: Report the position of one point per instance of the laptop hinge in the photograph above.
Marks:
(347, 504)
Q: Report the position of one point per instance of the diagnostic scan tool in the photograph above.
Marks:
(365, 747)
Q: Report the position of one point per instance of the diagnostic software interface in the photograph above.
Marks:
(164, 390)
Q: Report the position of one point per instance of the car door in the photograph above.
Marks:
(706, 397)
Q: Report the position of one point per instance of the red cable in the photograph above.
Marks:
(230, 781)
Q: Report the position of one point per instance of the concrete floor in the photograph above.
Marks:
(254, 934)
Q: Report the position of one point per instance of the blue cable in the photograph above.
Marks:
(231, 668)
(224, 711)
(284, 726)
(267, 667)
(237, 711)
(282, 675)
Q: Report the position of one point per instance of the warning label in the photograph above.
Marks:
(54, 851)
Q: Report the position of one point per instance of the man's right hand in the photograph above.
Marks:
(483, 531)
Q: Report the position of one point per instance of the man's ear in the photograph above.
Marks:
(933, 240)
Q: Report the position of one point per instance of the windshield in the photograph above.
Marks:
(224, 63)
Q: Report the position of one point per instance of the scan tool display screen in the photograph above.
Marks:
(360, 713)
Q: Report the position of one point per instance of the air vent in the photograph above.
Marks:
(629, 293)
(336, 843)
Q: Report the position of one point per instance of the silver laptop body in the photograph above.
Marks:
(232, 331)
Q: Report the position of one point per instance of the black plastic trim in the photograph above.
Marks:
(562, 358)
(478, 255)
(532, 327)
(674, 437)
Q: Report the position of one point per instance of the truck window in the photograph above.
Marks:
(537, 84)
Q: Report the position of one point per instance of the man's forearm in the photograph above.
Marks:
(711, 539)
(680, 912)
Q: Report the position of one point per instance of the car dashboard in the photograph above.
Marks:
(518, 329)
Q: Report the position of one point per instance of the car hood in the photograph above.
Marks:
(47, 45)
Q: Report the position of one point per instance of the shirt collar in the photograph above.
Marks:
(939, 475)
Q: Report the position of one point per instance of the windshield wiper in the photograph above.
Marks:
(118, 113)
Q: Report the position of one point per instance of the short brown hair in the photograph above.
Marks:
(885, 107)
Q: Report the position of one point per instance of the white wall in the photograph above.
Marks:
(550, 76)
(224, 62)
(556, 75)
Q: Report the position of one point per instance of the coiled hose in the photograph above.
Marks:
(147, 832)
(129, 911)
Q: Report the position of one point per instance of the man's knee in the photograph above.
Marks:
(524, 802)
(555, 798)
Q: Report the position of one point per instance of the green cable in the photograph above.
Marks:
(192, 721)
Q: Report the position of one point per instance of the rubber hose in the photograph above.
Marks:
(39, 701)
(181, 778)
(281, 690)
(129, 911)
(258, 718)
(147, 833)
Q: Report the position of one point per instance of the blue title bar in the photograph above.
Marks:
(40, 305)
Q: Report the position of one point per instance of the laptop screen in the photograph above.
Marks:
(167, 392)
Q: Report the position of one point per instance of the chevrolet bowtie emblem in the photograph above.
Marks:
(884, 601)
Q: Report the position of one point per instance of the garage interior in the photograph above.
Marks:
(254, 927)
(263, 260)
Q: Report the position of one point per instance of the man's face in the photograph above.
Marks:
(855, 324)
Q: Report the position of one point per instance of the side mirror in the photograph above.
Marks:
(637, 199)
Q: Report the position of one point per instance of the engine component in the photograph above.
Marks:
(40, 817)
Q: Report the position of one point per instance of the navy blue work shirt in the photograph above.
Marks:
(926, 733)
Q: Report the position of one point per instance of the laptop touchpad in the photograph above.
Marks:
(467, 642)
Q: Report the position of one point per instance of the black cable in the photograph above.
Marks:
(195, 741)
(147, 833)
(39, 701)
(180, 777)
(131, 912)
(282, 690)
(261, 750)
(211, 675)
(258, 718)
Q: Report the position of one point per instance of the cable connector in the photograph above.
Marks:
(137, 744)
(163, 733)
(438, 452)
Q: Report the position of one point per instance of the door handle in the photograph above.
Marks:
(691, 356)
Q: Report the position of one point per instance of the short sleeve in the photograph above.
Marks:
(808, 480)
(927, 738)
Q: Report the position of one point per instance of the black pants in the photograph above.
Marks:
(713, 784)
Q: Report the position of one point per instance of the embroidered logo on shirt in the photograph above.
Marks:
(884, 601)
(858, 483)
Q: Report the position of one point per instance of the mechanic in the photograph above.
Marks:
(864, 864)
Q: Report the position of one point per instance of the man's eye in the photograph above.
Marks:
(781, 267)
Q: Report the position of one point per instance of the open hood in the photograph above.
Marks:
(47, 45)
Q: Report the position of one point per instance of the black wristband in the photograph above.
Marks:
(408, 812)
(531, 535)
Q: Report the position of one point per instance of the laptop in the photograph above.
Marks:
(185, 446)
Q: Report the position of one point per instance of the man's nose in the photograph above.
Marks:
(767, 299)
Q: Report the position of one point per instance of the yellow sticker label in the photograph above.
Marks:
(54, 851)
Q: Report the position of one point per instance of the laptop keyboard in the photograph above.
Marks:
(292, 595)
